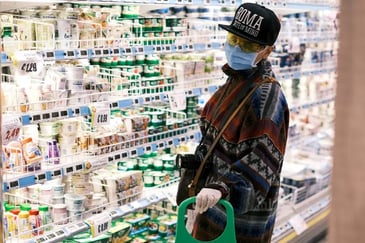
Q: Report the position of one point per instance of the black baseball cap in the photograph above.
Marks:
(256, 23)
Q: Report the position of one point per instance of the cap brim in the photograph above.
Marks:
(236, 32)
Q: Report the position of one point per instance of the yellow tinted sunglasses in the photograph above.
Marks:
(245, 45)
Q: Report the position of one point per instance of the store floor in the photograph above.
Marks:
(320, 239)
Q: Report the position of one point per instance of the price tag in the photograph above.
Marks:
(95, 164)
(73, 229)
(10, 129)
(116, 213)
(298, 224)
(126, 208)
(177, 101)
(28, 62)
(99, 224)
(100, 115)
(135, 205)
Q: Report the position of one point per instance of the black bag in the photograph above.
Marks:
(186, 180)
(188, 165)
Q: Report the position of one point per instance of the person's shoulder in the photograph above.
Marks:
(269, 98)
(269, 85)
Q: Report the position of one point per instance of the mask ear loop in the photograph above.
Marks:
(267, 49)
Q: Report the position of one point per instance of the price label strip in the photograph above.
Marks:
(298, 224)
(99, 224)
(28, 62)
(100, 115)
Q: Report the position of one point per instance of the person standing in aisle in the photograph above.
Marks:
(247, 160)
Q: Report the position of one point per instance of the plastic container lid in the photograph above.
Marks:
(9, 207)
(25, 207)
(34, 212)
(15, 211)
(43, 208)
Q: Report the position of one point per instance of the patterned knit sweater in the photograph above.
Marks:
(247, 160)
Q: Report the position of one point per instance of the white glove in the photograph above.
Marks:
(207, 198)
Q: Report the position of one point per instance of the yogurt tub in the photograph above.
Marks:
(69, 127)
(67, 151)
(74, 72)
(58, 190)
(34, 192)
(169, 167)
(74, 201)
(157, 164)
(94, 202)
(59, 214)
(160, 177)
(80, 178)
(75, 215)
(81, 189)
(168, 159)
(58, 200)
(48, 128)
(66, 140)
(30, 131)
(148, 179)
(46, 193)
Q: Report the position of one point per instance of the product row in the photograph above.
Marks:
(71, 26)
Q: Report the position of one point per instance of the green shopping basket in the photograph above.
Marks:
(183, 236)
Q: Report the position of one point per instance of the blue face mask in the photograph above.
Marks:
(238, 59)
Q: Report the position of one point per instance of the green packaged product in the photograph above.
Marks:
(138, 221)
(86, 238)
(119, 233)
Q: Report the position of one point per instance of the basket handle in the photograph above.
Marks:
(183, 236)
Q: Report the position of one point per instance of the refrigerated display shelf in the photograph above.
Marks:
(70, 111)
(81, 161)
(64, 55)
(151, 197)
(289, 5)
